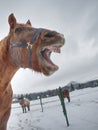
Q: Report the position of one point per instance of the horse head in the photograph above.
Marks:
(31, 47)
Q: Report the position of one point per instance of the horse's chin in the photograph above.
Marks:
(48, 73)
(47, 69)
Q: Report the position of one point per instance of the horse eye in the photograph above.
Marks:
(18, 30)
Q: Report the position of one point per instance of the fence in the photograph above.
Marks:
(42, 102)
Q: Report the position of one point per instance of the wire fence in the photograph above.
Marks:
(51, 101)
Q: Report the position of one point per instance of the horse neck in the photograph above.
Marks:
(7, 69)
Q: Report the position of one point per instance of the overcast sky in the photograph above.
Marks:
(77, 20)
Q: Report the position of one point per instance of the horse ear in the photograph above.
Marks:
(29, 23)
(12, 21)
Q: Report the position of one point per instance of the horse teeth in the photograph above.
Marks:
(52, 48)
(56, 50)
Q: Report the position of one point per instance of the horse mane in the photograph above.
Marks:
(4, 50)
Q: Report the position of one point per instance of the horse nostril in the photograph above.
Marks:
(50, 34)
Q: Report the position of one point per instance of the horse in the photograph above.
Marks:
(25, 103)
(24, 47)
(66, 94)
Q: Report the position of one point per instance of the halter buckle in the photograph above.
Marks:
(29, 45)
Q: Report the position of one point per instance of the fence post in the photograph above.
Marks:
(61, 97)
(41, 102)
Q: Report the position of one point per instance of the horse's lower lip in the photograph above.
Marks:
(50, 71)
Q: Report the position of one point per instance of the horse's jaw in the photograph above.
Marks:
(42, 60)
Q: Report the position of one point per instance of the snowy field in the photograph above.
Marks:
(82, 113)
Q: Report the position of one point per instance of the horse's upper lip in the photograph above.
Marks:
(54, 46)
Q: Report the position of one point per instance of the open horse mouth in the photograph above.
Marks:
(45, 54)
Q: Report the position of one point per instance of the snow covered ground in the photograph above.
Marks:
(82, 113)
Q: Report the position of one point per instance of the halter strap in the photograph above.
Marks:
(28, 45)
(35, 37)
(37, 33)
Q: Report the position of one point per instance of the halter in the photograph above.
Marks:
(28, 45)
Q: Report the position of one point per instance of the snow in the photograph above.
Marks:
(82, 113)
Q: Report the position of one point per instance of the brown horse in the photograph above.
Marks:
(66, 94)
(26, 47)
(25, 103)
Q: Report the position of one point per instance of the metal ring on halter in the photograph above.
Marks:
(29, 45)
